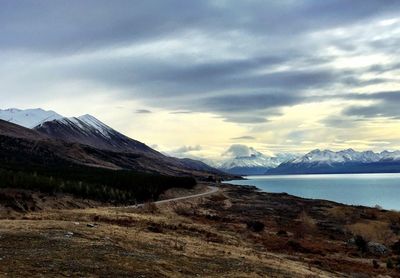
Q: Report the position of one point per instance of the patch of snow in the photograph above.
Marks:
(28, 118)
(349, 155)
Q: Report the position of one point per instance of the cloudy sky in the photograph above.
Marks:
(194, 77)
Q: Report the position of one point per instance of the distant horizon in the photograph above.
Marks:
(234, 150)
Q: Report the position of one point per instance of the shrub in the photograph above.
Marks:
(307, 225)
(376, 231)
(150, 207)
(282, 233)
(255, 226)
(298, 247)
(155, 228)
(361, 243)
(389, 264)
(397, 263)
(396, 248)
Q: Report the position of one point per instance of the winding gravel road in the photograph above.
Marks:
(211, 190)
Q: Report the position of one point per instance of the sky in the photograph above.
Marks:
(192, 78)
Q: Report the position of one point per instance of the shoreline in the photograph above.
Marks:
(331, 187)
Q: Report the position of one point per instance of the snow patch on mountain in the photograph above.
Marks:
(349, 155)
(29, 117)
(88, 124)
(244, 158)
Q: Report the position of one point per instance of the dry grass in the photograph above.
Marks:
(344, 214)
(376, 231)
(150, 207)
(204, 237)
(121, 244)
(307, 225)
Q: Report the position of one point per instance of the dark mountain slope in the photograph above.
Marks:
(112, 146)
(89, 131)
(22, 146)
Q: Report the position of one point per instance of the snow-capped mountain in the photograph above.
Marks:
(28, 118)
(86, 140)
(346, 161)
(331, 157)
(252, 162)
(390, 156)
(349, 155)
(90, 131)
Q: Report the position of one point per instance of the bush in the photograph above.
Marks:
(282, 233)
(255, 226)
(150, 207)
(376, 231)
(397, 263)
(396, 248)
(298, 247)
(389, 264)
(361, 243)
(307, 225)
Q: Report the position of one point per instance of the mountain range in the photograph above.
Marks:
(28, 118)
(346, 161)
(253, 163)
(86, 141)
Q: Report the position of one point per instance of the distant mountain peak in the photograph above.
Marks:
(88, 130)
(249, 161)
(345, 161)
(28, 118)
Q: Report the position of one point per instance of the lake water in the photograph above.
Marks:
(352, 189)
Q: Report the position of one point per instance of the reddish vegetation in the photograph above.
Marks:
(237, 232)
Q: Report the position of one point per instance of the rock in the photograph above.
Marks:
(90, 225)
(69, 234)
(351, 241)
(377, 248)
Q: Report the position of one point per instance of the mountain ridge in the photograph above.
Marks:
(345, 161)
(249, 161)
(86, 140)
(28, 118)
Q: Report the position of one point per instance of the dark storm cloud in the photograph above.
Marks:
(246, 102)
(251, 59)
(55, 26)
(385, 104)
(48, 25)
(234, 89)
(160, 78)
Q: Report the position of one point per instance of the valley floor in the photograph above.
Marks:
(235, 232)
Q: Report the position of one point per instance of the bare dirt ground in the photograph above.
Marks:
(216, 235)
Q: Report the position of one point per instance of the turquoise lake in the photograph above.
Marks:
(352, 189)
